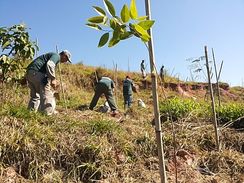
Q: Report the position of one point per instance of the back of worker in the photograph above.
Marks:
(105, 86)
(127, 92)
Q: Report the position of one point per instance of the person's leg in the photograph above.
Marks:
(130, 100)
(95, 99)
(33, 80)
(47, 99)
(34, 101)
(111, 102)
(126, 102)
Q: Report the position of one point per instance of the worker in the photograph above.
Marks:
(128, 86)
(162, 73)
(41, 80)
(143, 69)
(104, 85)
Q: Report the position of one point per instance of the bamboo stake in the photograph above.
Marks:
(116, 83)
(212, 99)
(61, 82)
(159, 135)
(220, 70)
(128, 65)
(216, 75)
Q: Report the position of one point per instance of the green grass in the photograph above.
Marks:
(84, 146)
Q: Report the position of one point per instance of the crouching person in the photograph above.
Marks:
(41, 79)
(105, 86)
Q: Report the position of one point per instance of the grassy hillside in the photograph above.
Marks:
(79, 145)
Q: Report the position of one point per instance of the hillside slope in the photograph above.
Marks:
(79, 145)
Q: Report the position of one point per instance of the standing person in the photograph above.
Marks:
(41, 79)
(143, 69)
(128, 86)
(162, 73)
(105, 86)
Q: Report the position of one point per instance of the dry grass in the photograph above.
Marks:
(87, 146)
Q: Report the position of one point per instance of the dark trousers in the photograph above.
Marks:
(127, 101)
(102, 89)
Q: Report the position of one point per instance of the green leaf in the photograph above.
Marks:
(97, 19)
(99, 10)
(113, 23)
(116, 36)
(125, 35)
(6, 44)
(105, 19)
(143, 34)
(113, 42)
(103, 40)
(146, 24)
(133, 9)
(94, 26)
(109, 6)
(142, 18)
(145, 38)
(116, 33)
(125, 14)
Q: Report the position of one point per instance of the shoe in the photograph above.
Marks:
(114, 113)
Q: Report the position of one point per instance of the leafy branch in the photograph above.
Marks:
(121, 27)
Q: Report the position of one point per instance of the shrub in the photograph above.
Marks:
(177, 108)
(229, 112)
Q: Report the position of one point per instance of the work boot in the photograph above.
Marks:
(114, 113)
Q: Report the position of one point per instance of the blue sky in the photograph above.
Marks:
(181, 30)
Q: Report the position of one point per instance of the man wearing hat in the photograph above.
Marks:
(41, 79)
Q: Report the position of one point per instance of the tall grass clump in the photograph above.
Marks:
(178, 108)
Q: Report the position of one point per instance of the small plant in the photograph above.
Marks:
(229, 112)
(100, 127)
(177, 108)
(121, 28)
(16, 47)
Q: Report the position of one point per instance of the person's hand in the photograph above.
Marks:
(54, 84)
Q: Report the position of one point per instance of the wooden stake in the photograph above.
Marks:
(128, 65)
(61, 82)
(212, 99)
(115, 81)
(220, 70)
(159, 135)
(216, 75)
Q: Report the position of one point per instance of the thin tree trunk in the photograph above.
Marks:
(216, 75)
(61, 82)
(212, 99)
(220, 70)
(159, 135)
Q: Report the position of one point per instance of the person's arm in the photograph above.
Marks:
(50, 68)
(112, 84)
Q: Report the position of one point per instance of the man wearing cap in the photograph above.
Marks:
(41, 79)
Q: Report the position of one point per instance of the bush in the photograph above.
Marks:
(177, 108)
(229, 112)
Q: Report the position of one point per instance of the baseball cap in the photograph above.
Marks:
(67, 53)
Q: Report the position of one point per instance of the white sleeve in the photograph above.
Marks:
(50, 68)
